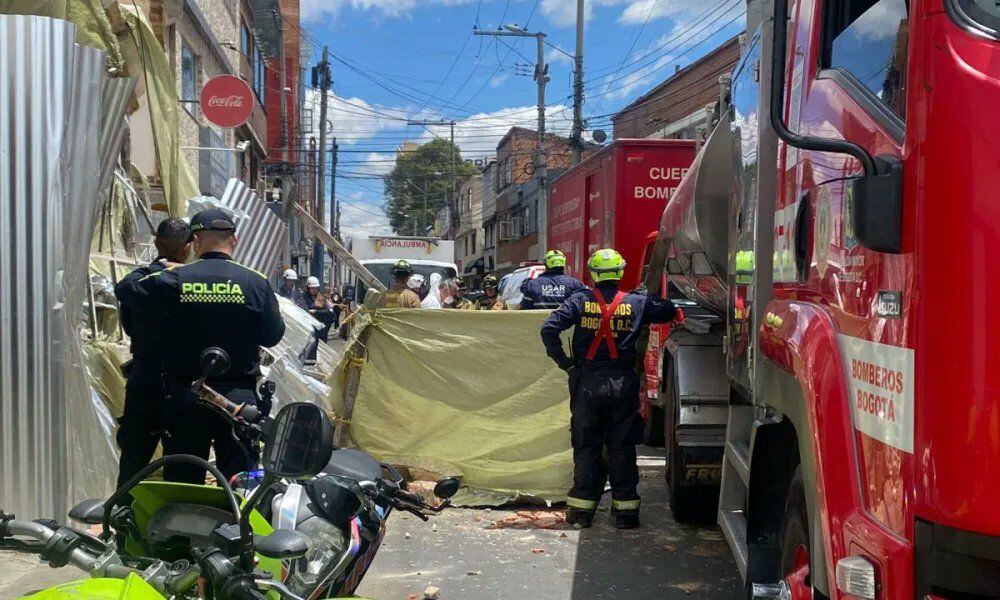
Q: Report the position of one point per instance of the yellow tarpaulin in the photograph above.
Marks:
(464, 393)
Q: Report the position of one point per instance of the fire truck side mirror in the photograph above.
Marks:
(875, 207)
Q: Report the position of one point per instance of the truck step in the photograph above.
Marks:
(738, 455)
(734, 527)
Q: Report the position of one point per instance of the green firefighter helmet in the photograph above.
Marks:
(491, 281)
(606, 265)
(401, 268)
(555, 259)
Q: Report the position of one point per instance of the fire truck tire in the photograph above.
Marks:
(653, 436)
(795, 544)
(696, 504)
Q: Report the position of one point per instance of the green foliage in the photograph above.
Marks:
(421, 183)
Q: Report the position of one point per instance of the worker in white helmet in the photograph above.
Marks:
(289, 286)
(318, 305)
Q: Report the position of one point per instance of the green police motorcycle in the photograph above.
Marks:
(185, 541)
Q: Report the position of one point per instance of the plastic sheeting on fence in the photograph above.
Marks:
(467, 393)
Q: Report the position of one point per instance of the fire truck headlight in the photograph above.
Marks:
(856, 576)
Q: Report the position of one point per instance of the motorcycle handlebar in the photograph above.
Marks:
(78, 557)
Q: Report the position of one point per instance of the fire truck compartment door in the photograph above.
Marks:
(701, 375)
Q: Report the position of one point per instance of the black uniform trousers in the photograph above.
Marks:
(195, 429)
(141, 425)
(604, 403)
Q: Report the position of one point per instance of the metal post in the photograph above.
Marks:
(324, 86)
(334, 209)
(577, 135)
(542, 77)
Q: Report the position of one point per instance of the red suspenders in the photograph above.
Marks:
(604, 331)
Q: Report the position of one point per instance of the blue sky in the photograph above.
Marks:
(400, 59)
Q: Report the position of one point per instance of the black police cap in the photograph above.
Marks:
(212, 219)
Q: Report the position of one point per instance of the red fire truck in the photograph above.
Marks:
(610, 199)
(835, 228)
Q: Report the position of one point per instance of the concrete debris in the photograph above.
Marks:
(432, 593)
(538, 550)
(533, 519)
(473, 573)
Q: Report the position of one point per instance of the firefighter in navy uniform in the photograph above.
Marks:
(604, 386)
(213, 302)
(552, 287)
(141, 424)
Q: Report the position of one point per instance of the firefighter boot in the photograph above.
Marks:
(581, 519)
(626, 520)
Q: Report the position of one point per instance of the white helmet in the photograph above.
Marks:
(415, 282)
(290, 274)
(312, 282)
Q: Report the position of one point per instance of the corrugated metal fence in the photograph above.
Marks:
(52, 446)
(262, 234)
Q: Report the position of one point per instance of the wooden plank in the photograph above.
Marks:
(334, 246)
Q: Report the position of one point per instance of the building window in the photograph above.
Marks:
(189, 78)
(868, 40)
(246, 41)
(259, 74)
(468, 200)
(473, 243)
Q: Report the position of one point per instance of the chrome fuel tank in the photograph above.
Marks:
(696, 223)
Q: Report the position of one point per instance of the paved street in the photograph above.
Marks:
(489, 554)
(469, 555)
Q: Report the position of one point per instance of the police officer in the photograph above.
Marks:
(459, 301)
(141, 424)
(552, 287)
(399, 295)
(604, 386)
(491, 298)
(213, 302)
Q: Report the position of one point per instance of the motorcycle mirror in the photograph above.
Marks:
(299, 442)
(90, 511)
(446, 488)
(213, 362)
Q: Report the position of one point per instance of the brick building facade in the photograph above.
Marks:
(516, 222)
(676, 108)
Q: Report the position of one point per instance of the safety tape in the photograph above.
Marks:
(625, 504)
(581, 504)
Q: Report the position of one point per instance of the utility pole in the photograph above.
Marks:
(322, 73)
(577, 135)
(541, 78)
(334, 210)
(452, 207)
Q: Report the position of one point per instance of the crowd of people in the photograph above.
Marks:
(173, 310)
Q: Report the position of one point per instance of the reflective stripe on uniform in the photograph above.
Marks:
(581, 504)
(625, 504)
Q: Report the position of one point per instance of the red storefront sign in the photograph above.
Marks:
(227, 101)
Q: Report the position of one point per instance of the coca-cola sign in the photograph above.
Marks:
(226, 101)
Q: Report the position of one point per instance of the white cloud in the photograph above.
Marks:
(499, 79)
(360, 218)
(353, 118)
(562, 13)
(641, 11)
(313, 10)
(479, 134)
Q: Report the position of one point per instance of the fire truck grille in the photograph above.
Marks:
(955, 564)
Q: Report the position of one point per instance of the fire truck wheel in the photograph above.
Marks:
(688, 503)
(653, 436)
(795, 550)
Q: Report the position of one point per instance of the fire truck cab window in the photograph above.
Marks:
(982, 16)
(867, 39)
